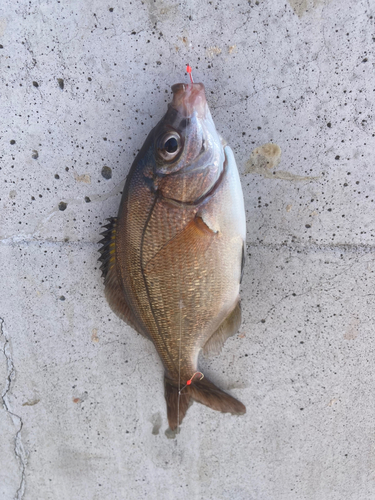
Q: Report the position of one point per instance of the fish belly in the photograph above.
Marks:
(182, 267)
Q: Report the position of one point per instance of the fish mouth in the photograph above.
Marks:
(189, 98)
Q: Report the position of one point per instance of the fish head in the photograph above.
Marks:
(188, 151)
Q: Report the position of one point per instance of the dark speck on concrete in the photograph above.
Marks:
(36, 84)
(62, 297)
(107, 172)
(62, 205)
(60, 81)
(1, 47)
(13, 142)
(111, 9)
(57, 176)
(337, 157)
(87, 199)
(35, 154)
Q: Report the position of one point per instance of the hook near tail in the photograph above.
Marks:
(203, 391)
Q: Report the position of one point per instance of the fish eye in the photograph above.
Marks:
(169, 146)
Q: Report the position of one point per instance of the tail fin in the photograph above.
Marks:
(177, 402)
(203, 391)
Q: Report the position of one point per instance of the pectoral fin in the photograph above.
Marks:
(227, 328)
(210, 219)
(114, 291)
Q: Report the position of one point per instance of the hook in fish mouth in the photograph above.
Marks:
(189, 98)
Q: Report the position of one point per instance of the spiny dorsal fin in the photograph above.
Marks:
(227, 328)
(107, 249)
(114, 291)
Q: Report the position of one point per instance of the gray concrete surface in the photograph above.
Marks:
(83, 414)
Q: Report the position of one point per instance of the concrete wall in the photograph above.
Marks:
(83, 413)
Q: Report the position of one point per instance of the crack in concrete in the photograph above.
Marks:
(19, 449)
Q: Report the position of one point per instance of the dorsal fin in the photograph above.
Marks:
(107, 249)
(114, 291)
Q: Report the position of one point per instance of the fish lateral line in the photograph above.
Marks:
(161, 336)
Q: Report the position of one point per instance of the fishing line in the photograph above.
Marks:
(181, 305)
(189, 70)
(179, 369)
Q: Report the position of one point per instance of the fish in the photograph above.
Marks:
(173, 258)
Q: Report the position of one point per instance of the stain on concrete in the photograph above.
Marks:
(300, 7)
(156, 421)
(158, 11)
(352, 332)
(32, 402)
(333, 401)
(81, 398)
(3, 25)
(82, 178)
(213, 51)
(264, 159)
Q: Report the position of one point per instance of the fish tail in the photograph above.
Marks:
(204, 392)
(177, 402)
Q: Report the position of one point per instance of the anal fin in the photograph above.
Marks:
(227, 328)
(114, 291)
